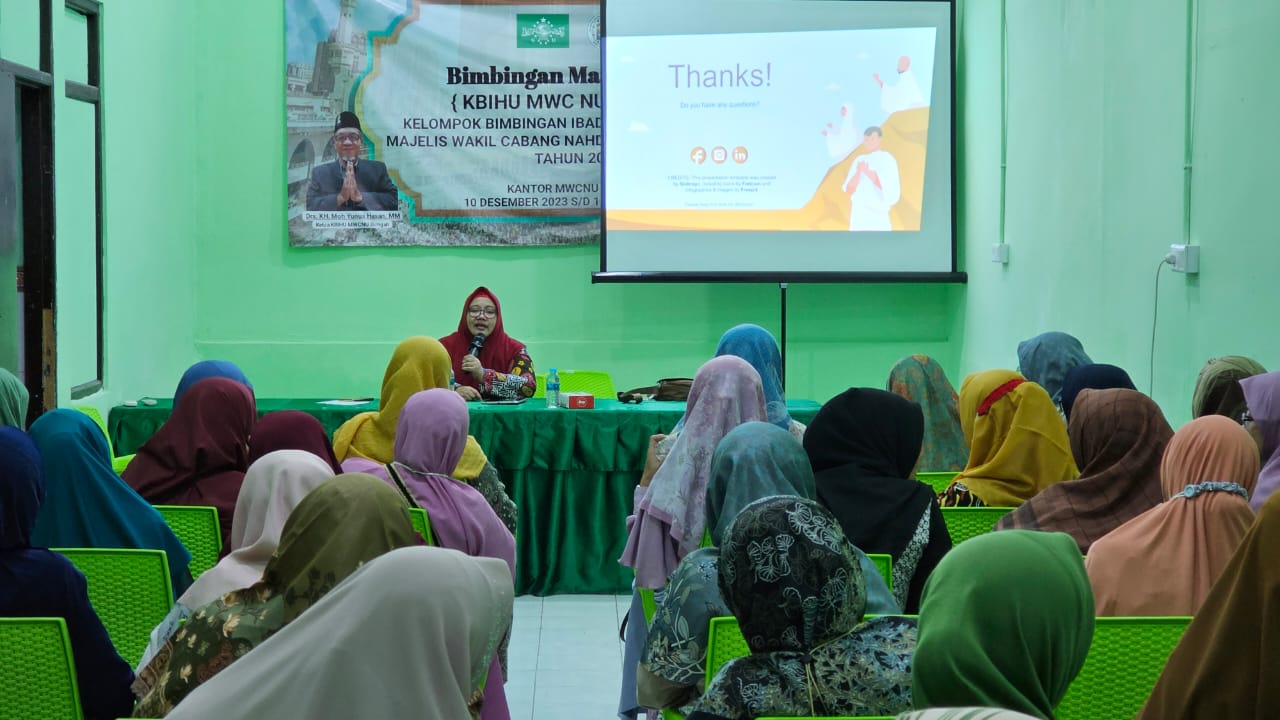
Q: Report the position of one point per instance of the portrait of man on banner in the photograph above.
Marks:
(351, 183)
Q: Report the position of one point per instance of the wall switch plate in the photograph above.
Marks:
(1000, 253)
(1186, 258)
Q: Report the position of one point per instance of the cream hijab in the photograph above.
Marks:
(1164, 561)
(272, 487)
(410, 634)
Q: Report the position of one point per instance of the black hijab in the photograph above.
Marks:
(863, 445)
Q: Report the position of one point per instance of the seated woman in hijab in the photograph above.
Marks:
(410, 633)
(1018, 445)
(487, 363)
(1097, 376)
(35, 582)
(1047, 358)
(863, 445)
(1017, 584)
(367, 441)
(795, 584)
(291, 430)
(1225, 665)
(199, 455)
(669, 518)
(14, 400)
(430, 437)
(755, 460)
(1218, 390)
(920, 379)
(206, 369)
(339, 526)
(1118, 438)
(87, 505)
(1164, 561)
(758, 347)
(272, 488)
(1262, 393)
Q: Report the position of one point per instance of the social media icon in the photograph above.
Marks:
(739, 154)
(719, 154)
(698, 155)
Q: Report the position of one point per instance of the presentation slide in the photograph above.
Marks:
(806, 136)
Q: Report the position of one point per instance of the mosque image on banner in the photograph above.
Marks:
(412, 122)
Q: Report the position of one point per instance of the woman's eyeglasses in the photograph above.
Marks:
(1246, 418)
(482, 312)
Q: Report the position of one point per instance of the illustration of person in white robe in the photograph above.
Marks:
(872, 185)
(905, 94)
(843, 139)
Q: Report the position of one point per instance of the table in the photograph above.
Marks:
(571, 472)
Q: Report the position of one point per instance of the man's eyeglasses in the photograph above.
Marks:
(482, 312)
(350, 138)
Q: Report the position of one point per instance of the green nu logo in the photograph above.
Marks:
(542, 30)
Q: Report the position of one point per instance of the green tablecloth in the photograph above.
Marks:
(571, 472)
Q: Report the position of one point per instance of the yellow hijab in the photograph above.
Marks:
(1018, 443)
(419, 363)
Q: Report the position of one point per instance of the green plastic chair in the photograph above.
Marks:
(884, 563)
(966, 522)
(422, 524)
(197, 528)
(860, 717)
(1124, 662)
(117, 463)
(595, 382)
(37, 672)
(130, 591)
(939, 481)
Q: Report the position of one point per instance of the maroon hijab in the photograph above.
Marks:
(291, 430)
(199, 455)
(499, 352)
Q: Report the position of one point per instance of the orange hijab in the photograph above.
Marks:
(1164, 561)
(1018, 443)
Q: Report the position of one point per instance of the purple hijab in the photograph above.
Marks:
(1262, 395)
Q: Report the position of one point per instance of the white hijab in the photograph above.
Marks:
(409, 634)
(273, 486)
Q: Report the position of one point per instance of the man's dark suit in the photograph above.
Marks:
(371, 177)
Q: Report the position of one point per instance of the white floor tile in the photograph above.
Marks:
(565, 659)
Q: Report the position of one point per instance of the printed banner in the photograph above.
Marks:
(414, 122)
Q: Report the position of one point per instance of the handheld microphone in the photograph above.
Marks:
(477, 343)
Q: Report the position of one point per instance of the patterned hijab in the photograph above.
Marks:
(758, 347)
(1164, 561)
(1117, 438)
(14, 401)
(1092, 377)
(206, 369)
(1018, 445)
(339, 526)
(726, 392)
(21, 488)
(920, 379)
(87, 505)
(1006, 622)
(793, 581)
(273, 487)
(1262, 392)
(291, 430)
(419, 363)
(1047, 358)
(1225, 666)
(1218, 390)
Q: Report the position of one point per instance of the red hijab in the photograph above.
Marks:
(291, 430)
(499, 351)
(199, 455)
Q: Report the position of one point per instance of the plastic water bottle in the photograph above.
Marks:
(553, 389)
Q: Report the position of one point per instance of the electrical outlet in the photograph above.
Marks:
(1186, 258)
(1000, 253)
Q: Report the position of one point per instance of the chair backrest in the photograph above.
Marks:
(598, 383)
(130, 591)
(966, 522)
(197, 528)
(1124, 662)
(422, 524)
(724, 643)
(37, 672)
(96, 416)
(884, 563)
(939, 481)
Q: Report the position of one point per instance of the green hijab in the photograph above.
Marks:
(1218, 390)
(342, 524)
(1005, 621)
(13, 401)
